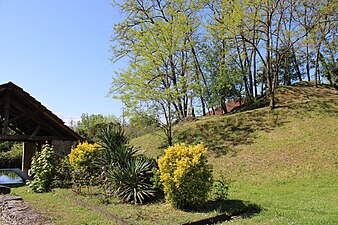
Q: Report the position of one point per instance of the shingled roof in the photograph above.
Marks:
(28, 118)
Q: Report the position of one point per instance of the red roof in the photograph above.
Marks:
(230, 105)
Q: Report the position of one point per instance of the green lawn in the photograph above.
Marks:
(57, 207)
(281, 164)
(292, 201)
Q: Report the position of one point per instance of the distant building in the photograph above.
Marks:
(230, 106)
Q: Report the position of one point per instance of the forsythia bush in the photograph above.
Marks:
(83, 155)
(83, 161)
(185, 174)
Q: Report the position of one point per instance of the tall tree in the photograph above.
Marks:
(156, 35)
(184, 54)
(90, 124)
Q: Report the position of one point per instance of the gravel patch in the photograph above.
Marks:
(14, 211)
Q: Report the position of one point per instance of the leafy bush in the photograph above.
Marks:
(82, 159)
(83, 155)
(127, 174)
(185, 174)
(5, 146)
(11, 158)
(64, 173)
(43, 170)
(220, 189)
(90, 125)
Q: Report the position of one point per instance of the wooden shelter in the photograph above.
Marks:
(23, 118)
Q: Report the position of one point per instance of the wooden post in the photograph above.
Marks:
(29, 149)
(7, 108)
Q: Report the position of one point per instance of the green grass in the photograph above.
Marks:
(283, 164)
(284, 161)
(57, 207)
(291, 201)
(62, 209)
(150, 144)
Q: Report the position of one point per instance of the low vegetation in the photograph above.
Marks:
(10, 155)
(43, 170)
(185, 175)
(82, 167)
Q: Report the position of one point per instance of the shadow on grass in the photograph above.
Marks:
(221, 135)
(328, 106)
(227, 210)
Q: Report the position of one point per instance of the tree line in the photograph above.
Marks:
(191, 56)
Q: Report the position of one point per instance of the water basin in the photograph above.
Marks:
(8, 177)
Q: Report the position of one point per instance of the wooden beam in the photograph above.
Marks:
(36, 131)
(26, 138)
(16, 118)
(15, 129)
(7, 108)
(2, 101)
(37, 116)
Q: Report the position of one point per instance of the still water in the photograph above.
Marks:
(10, 177)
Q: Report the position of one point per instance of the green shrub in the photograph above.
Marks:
(156, 179)
(132, 180)
(43, 170)
(11, 158)
(126, 173)
(115, 146)
(85, 170)
(5, 146)
(63, 173)
(220, 189)
(186, 175)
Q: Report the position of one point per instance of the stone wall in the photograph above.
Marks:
(62, 148)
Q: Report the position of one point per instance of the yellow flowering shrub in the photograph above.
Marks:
(83, 155)
(185, 174)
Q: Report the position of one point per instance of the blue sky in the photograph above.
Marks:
(58, 51)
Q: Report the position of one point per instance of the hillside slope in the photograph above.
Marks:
(226, 134)
(285, 160)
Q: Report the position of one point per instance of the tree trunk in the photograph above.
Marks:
(307, 57)
(295, 63)
(255, 73)
(203, 105)
(317, 64)
(268, 58)
(224, 107)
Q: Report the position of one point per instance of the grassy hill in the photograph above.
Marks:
(283, 160)
(281, 164)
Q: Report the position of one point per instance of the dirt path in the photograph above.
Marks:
(118, 220)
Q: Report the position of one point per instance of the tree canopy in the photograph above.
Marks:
(190, 56)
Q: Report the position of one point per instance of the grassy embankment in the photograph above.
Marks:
(283, 162)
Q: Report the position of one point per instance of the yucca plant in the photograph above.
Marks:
(127, 173)
(112, 136)
(115, 147)
(132, 180)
